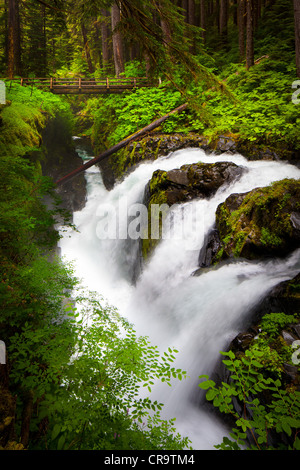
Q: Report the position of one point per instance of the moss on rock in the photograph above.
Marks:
(262, 222)
(177, 186)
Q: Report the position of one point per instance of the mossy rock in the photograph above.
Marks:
(197, 180)
(262, 222)
(177, 186)
(148, 148)
(157, 145)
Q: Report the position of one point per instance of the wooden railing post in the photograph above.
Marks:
(107, 83)
(79, 83)
(51, 83)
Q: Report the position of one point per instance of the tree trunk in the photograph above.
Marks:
(117, 41)
(297, 34)
(43, 43)
(87, 49)
(223, 20)
(191, 12)
(167, 35)
(234, 11)
(192, 22)
(121, 144)
(241, 26)
(203, 20)
(217, 14)
(250, 38)
(13, 42)
(185, 7)
(105, 36)
(257, 13)
(26, 418)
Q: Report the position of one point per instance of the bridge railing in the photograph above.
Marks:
(80, 83)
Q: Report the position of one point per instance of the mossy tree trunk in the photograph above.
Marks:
(117, 40)
(13, 43)
(87, 49)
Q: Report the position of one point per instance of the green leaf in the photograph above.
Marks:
(207, 384)
(61, 442)
(286, 427)
(55, 431)
(211, 394)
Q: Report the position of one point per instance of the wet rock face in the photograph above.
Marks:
(285, 297)
(60, 159)
(210, 249)
(150, 148)
(262, 223)
(156, 145)
(198, 180)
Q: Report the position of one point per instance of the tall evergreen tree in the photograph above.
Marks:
(13, 43)
(203, 19)
(250, 34)
(223, 20)
(241, 15)
(105, 38)
(117, 40)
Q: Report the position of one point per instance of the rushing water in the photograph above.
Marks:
(198, 315)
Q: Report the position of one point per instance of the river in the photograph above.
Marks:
(198, 315)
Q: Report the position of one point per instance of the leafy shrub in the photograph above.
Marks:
(268, 410)
(81, 371)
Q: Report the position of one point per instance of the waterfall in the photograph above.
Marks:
(198, 315)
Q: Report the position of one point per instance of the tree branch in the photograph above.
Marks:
(50, 6)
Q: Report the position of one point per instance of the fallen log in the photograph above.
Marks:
(121, 144)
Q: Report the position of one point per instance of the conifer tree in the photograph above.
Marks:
(241, 15)
(250, 38)
(118, 46)
(13, 43)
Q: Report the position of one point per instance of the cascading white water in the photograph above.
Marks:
(199, 315)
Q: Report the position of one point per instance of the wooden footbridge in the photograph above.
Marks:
(64, 86)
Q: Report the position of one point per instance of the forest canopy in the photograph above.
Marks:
(57, 37)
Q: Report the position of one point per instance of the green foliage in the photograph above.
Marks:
(265, 214)
(103, 381)
(272, 323)
(84, 368)
(25, 115)
(263, 112)
(267, 414)
(258, 421)
(117, 117)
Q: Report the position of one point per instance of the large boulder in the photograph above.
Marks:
(197, 180)
(151, 147)
(264, 222)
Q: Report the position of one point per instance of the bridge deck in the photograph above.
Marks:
(80, 85)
